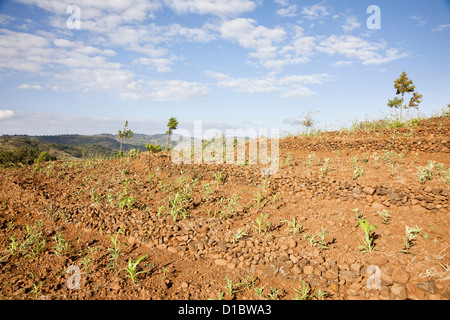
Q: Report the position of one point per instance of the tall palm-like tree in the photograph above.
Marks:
(172, 125)
(403, 85)
(125, 134)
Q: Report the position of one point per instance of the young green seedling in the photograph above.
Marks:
(13, 245)
(262, 224)
(231, 288)
(260, 195)
(325, 167)
(358, 216)
(61, 246)
(273, 295)
(114, 251)
(259, 291)
(294, 226)
(131, 268)
(385, 216)
(302, 294)
(218, 177)
(320, 242)
(368, 238)
(410, 235)
(239, 234)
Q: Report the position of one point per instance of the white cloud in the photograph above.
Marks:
(64, 43)
(442, 27)
(29, 86)
(258, 38)
(342, 63)
(419, 20)
(287, 86)
(5, 19)
(102, 15)
(287, 9)
(222, 8)
(6, 114)
(350, 24)
(164, 90)
(315, 12)
(72, 65)
(263, 42)
(40, 123)
(23, 51)
(161, 65)
(356, 48)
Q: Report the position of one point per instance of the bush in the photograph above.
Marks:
(397, 124)
(133, 153)
(23, 156)
(153, 147)
(43, 157)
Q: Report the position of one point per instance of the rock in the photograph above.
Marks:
(131, 239)
(308, 270)
(270, 270)
(193, 247)
(356, 286)
(332, 275)
(285, 270)
(356, 268)
(399, 275)
(172, 249)
(231, 265)
(296, 269)
(353, 293)
(377, 206)
(386, 279)
(428, 286)
(334, 286)
(368, 190)
(221, 262)
(293, 258)
(292, 243)
(399, 290)
(347, 275)
(283, 257)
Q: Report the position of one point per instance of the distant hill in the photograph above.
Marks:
(71, 146)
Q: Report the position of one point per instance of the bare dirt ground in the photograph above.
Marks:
(224, 231)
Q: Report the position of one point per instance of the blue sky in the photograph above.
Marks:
(228, 63)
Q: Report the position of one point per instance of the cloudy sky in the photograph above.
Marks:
(86, 66)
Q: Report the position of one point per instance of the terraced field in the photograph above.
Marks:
(349, 215)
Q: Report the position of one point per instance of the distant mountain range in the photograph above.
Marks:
(77, 146)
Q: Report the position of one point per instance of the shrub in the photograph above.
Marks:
(23, 156)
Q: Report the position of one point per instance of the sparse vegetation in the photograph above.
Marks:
(368, 236)
(410, 236)
(132, 267)
(124, 134)
(106, 216)
(262, 223)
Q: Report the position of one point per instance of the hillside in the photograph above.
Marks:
(69, 147)
(360, 214)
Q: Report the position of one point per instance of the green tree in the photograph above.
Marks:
(125, 134)
(415, 101)
(172, 125)
(395, 103)
(152, 148)
(404, 85)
